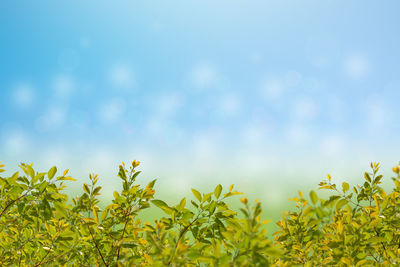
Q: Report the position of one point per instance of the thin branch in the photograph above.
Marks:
(95, 243)
(123, 232)
(181, 235)
(61, 255)
(383, 245)
(12, 202)
(40, 262)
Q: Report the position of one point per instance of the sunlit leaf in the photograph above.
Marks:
(159, 203)
(196, 194)
(341, 203)
(217, 191)
(86, 188)
(345, 187)
(52, 172)
(314, 197)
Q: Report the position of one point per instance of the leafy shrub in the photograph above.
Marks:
(356, 228)
(38, 226)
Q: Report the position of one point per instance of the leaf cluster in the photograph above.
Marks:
(39, 226)
(355, 226)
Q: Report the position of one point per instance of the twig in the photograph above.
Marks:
(181, 234)
(122, 236)
(95, 243)
(12, 202)
(40, 262)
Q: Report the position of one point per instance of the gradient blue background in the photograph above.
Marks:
(269, 95)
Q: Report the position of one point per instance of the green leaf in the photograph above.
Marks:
(86, 188)
(244, 212)
(129, 245)
(345, 187)
(104, 214)
(341, 203)
(212, 207)
(377, 239)
(96, 191)
(207, 197)
(133, 190)
(355, 190)
(182, 204)
(159, 203)
(194, 203)
(135, 175)
(30, 170)
(14, 177)
(361, 255)
(60, 208)
(37, 177)
(42, 186)
(314, 197)
(52, 172)
(378, 179)
(170, 211)
(151, 184)
(121, 173)
(273, 252)
(217, 191)
(196, 194)
(367, 177)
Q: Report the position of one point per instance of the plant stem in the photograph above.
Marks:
(97, 247)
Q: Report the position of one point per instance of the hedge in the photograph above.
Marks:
(39, 226)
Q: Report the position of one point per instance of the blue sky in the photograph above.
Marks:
(277, 93)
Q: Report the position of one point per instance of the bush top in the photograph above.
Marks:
(356, 225)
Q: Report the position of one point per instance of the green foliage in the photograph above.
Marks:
(354, 228)
(40, 227)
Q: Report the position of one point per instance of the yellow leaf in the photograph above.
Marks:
(86, 188)
(47, 226)
(96, 215)
(69, 178)
(376, 202)
(314, 197)
(346, 261)
(374, 214)
(395, 169)
(339, 227)
(374, 223)
(325, 187)
(265, 222)
(135, 163)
